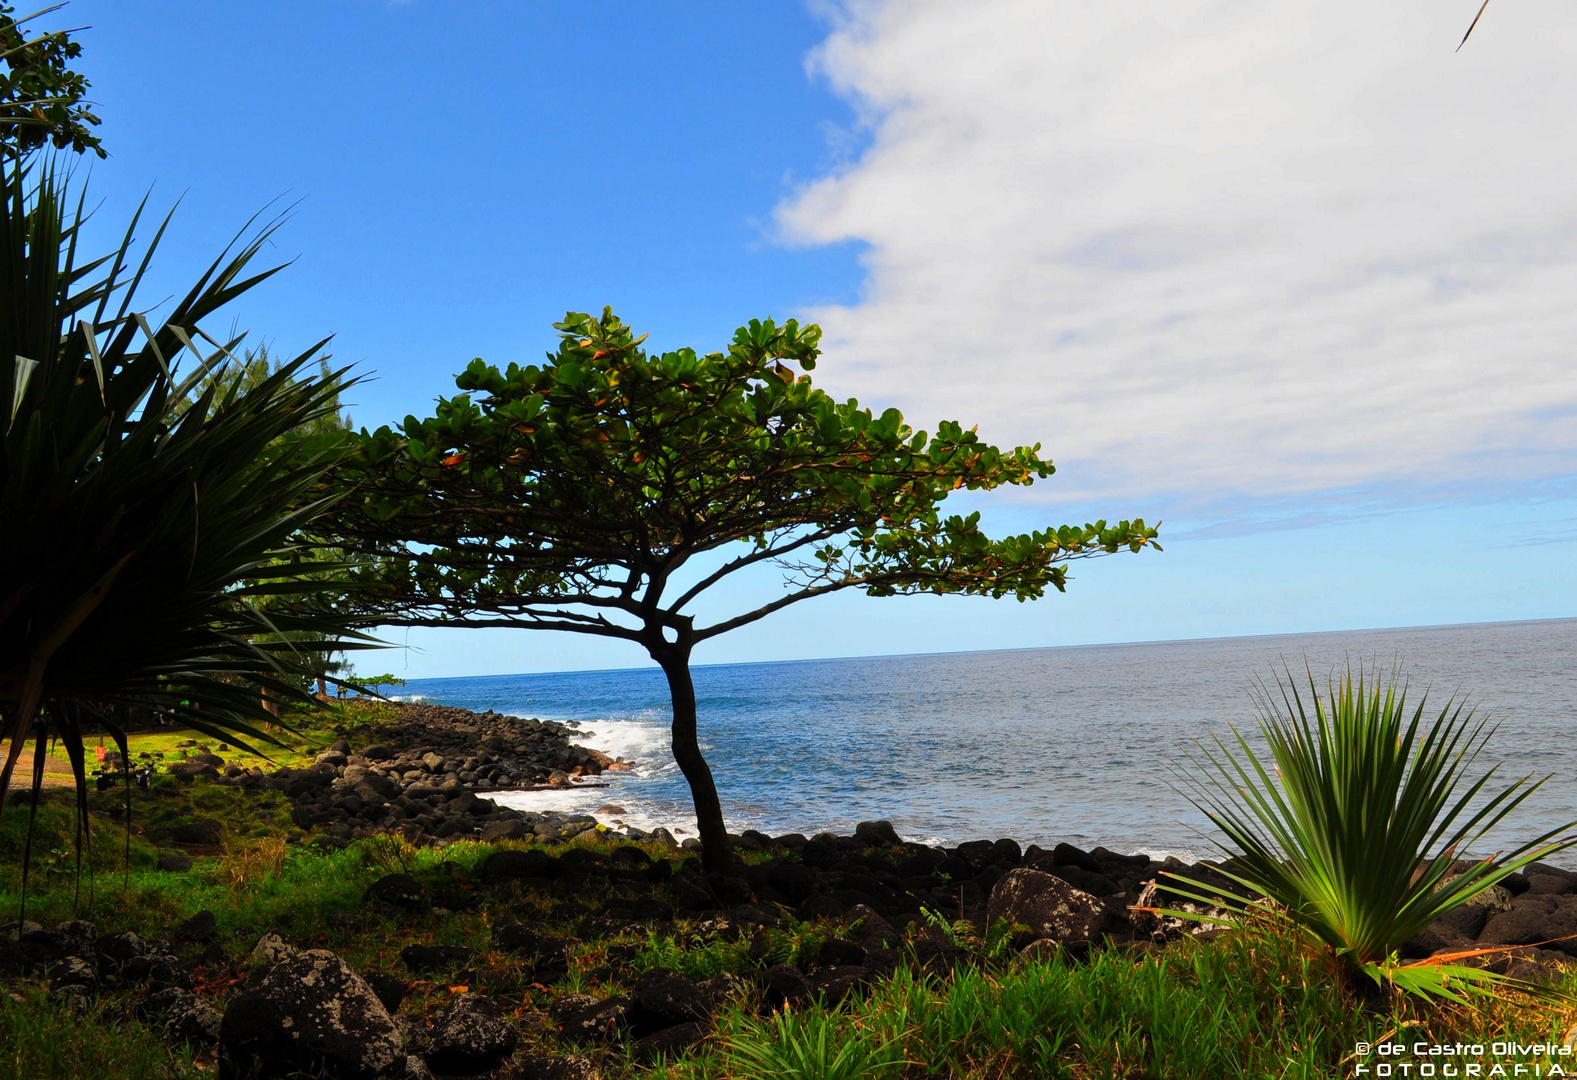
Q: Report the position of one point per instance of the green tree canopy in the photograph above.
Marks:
(42, 101)
(607, 490)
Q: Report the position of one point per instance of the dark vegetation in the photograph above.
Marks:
(856, 956)
(589, 953)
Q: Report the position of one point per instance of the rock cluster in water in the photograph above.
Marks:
(421, 775)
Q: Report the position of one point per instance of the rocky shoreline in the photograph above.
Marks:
(562, 977)
(807, 918)
(420, 776)
(426, 775)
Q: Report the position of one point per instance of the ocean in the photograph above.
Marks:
(1042, 745)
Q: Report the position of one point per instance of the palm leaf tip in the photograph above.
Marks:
(151, 560)
(1354, 825)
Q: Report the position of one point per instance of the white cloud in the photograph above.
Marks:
(1215, 249)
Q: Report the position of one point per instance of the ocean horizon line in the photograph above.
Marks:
(1000, 652)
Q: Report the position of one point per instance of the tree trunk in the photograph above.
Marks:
(675, 662)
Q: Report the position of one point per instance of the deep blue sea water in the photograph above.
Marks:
(1038, 744)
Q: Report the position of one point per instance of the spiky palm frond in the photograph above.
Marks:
(1361, 833)
(142, 525)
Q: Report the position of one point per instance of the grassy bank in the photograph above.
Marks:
(952, 1000)
(1253, 1003)
(308, 733)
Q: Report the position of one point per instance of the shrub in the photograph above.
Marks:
(1358, 838)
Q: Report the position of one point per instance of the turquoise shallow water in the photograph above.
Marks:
(1039, 744)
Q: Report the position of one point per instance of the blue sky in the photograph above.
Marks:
(1302, 291)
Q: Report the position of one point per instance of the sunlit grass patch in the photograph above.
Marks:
(40, 1037)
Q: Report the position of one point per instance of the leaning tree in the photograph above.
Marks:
(607, 490)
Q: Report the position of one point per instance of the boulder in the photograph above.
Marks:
(512, 829)
(310, 1014)
(1467, 920)
(41, 945)
(1515, 883)
(376, 785)
(1551, 880)
(512, 865)
(175, 864)
(1039, 952)
(183, 1017)
(731, 891)
(873, 931)
(200, 928)
(1067, 855)
(581, 1018)
(977, 854)
(395, 890)
(470, 1037)
(691, 895)
(794, 880)
(1148, 923)
(834, 984)
(821, 906)
(79, 936)
(1084, 880)
(783, 984)
(724, 986)
(669, 1041)
(663, 998)
(191, 769)
(558, 1067)
(1525, 924)
(1006, 852)
(391, 989)
(1560, 926)
(836, 952)
(73, 971)
(1050, 907)
(136, 960)
(877, 834)
(1496, 898)
(271, 949)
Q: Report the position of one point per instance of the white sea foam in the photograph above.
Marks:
(1162, 854)
(644, 742)
(641, 741)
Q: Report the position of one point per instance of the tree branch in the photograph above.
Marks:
(764, 555)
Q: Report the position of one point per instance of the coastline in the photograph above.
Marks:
(557, 788)
(437, 774)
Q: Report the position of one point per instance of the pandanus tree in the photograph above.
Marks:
(608, 490)
(1365, 825)
(145, 520)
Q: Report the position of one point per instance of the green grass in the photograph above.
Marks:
(310, 732)
(1255, 1003)
(41, 1038)
(1258, 1002)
